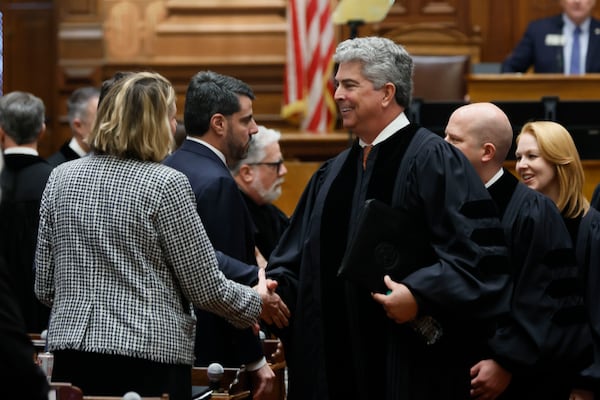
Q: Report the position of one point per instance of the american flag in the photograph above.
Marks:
(308, 93)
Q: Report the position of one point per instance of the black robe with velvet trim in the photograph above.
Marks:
(269, 224)
(545, 340)
(340, 344)
(21, 378)
(588, 256)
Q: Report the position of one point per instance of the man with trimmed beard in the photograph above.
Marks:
(219, 123)
(259, 177)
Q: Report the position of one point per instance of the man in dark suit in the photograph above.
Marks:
(81, 111)
(551, 45)
(219, 124)
(22, 181)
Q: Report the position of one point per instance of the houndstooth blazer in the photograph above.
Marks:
(121, 254)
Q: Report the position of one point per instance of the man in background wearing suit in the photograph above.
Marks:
(219, 124)
(551, 45)
(81, 111)
(23, 181)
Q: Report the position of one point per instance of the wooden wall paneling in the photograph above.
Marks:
(80, 57)
(266, 81)
(435, 39)
(78, 10)
(494, 20)
(181, 37)
(453, 13)
(30, 53)
(195, 32)
(429, 27)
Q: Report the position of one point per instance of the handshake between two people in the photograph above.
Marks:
(274, 310)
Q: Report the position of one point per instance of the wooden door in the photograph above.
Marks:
(29, 45)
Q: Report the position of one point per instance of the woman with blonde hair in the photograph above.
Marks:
(122, 255)
(548, 161)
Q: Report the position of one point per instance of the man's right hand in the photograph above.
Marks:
(274, 310)
(488, 380)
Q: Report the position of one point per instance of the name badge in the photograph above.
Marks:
(553, 39)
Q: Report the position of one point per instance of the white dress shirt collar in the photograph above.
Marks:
(570, 25)
(495, 178)
(211, 147)
(74, 145)
(21, 150)
(398, 123)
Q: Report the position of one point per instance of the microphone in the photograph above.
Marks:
(131, 396)
(215, 373)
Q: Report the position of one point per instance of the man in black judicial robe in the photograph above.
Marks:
(588, 255)
(21, 377)
(16, 350)
(544, 341)
(342, 343)
(23, 180)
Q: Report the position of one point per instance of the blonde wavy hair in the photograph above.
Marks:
(557, 147)
(133, 119)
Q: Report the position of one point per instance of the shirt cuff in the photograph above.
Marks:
(256, 365)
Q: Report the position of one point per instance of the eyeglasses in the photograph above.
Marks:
(276, 164)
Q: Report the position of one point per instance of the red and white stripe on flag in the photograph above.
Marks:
(308, 93)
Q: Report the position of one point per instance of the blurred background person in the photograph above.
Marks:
(568, 43)
(122, 254)
(81, 111)
(548, 161)
(260, 176)
(16, 349)
(23, 180)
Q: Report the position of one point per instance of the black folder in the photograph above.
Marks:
(387, 241)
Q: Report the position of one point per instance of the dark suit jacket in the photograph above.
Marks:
(64, 154)
(23, 180)
(229, 228)
(595, 202)
(533, 50)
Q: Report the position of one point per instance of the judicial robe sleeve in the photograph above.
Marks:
(24, 379)
(286, 258)
(542, 329)
(470, 279)
(591, 260)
